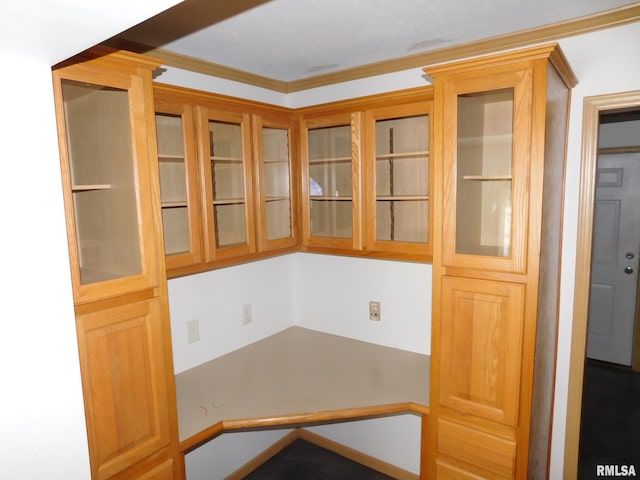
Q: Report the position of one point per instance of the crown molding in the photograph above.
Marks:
(553, 32)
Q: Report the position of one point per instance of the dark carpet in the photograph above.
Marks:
(305, 461)
(610, 428)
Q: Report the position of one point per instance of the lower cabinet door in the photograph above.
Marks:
(125, 386)
(481, 340)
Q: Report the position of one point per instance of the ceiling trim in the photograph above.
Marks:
(556, 31)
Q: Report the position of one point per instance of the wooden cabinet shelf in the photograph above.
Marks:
(89, 188)
(401, 155)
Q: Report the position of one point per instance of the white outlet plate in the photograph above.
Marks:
(193, 331)
(374, 311)
(246, 314)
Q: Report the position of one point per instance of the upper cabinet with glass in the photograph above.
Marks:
(397, 180)
(487, 148)
(106, 144)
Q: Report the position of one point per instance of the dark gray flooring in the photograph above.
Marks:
(305, 461)
(610, 428)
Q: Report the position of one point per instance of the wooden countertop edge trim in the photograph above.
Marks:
(296, 419)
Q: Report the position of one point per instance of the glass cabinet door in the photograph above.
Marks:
(398, 178)
(105, 159)
(331, 210)
(178, 184)
(488, 154)
(226, 143)
(276, 183)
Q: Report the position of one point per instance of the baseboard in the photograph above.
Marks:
(323, 442)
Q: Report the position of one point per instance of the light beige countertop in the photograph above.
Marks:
(298, 376)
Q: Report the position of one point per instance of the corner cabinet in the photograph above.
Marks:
(366, 176)
(107, 144)
(499, 154)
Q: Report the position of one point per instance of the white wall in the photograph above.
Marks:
(604, 62)
(216, 298)
(332, 294)
(41, 409)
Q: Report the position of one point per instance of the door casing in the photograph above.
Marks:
(593, 106)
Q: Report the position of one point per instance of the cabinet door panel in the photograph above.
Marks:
(122, 363)
(179, 188)
(225, 146)
(487, 138)
(481, 347)
(477, 449)
(398, 178)
(331, 213)
(276, 182)
(104, 150)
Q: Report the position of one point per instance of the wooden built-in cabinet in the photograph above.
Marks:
(499, 154)
(366, 176)
(228, 177)
(104, 110)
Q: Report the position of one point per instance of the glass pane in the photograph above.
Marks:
(227, 171)
(484, 169)
(173, 183)
(275, 144)
(103, 181)
(330, 182)
(402, 179)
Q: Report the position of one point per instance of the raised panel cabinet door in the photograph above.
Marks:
(331, 187)
(106, 150)
(125, 385)
(274, 142)
(397, 182)
(179, 188)
(480, 342)
(486, 158)
(224, 141)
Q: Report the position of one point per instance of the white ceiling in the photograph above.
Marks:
(289, 40)
(280, 39)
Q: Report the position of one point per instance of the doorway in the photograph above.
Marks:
(593, 108)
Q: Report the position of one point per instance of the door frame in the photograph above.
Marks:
(592, 108)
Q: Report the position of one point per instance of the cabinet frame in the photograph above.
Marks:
(403, 248)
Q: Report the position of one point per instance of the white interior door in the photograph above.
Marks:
(614, 263)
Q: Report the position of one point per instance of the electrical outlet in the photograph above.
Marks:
(374, 311)
(193, 331)
(246, 314)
